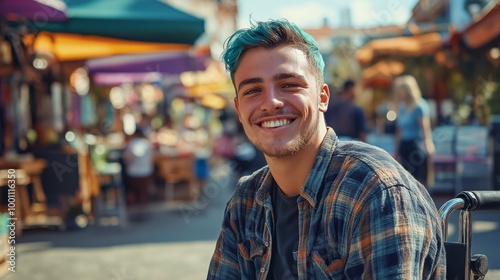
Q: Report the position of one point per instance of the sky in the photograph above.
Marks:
(311, 13)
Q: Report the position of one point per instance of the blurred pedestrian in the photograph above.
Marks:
(144, 124)
(414, 144)
(345, 117)
(138, 158)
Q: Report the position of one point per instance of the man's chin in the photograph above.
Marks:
(279, 151)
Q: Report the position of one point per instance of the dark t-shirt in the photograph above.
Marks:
(285, 236)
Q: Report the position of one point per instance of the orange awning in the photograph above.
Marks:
(67, 47)
(484, 29)
(382, 73)
(417, 45)
(214, 80)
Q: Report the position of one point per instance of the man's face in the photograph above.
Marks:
(278, 100)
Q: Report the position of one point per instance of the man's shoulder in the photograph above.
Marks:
(362, 150)
(374, 161)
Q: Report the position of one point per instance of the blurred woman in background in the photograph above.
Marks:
(414, 144)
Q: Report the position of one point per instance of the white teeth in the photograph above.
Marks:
(278, 123)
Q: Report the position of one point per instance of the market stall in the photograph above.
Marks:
(54, 100)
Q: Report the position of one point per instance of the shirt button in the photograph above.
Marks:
(262, 270)
(267, 244)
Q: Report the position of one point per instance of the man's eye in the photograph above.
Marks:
(289, 85)
(251, 91)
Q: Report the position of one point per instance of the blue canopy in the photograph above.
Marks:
(136, 20)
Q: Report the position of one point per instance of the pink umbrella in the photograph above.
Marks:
(39, 11)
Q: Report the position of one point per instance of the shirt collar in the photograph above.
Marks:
(311, 188)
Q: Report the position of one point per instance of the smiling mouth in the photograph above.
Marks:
(277, 123)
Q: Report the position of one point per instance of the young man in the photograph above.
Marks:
(320, 209)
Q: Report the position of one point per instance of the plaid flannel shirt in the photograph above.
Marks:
(361, 216)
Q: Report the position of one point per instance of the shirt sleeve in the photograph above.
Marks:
(224, 262)
(396, 236)
(423, 109)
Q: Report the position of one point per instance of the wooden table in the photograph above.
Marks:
(16, 181)
(33, 168)
(28, 211)
(175, 169)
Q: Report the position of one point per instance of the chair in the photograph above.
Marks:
(111, 202)
(472, 149)
(445, 156)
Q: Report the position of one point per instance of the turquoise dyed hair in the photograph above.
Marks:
(271, 34)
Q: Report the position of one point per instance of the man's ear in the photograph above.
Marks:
(237, 107)
(324, 97)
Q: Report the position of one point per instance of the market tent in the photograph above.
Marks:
(38, 11)
(212, 87)
(166, 63)
(485, 28)
(116, 79)
(381, 74)
(148, 67)
(136, 20)
(418, 45)
(214, 80)
(68, 47)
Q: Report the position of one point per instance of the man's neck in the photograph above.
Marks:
(290, 173)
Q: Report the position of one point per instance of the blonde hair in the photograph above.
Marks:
(410, 85)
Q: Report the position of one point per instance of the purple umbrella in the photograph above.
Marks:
(39, 11)
(165, 63)
(115, 79)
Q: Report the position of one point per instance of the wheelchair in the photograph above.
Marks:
(460, 264)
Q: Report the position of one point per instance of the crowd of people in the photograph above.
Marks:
(414, 145)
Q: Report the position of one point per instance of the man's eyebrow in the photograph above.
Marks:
(249, 81)
(279, 76)
(282, 76)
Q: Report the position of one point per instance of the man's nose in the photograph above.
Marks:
(271, 100)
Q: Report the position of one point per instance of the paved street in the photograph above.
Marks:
(176, 241)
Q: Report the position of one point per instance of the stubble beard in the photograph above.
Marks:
(285, 150)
